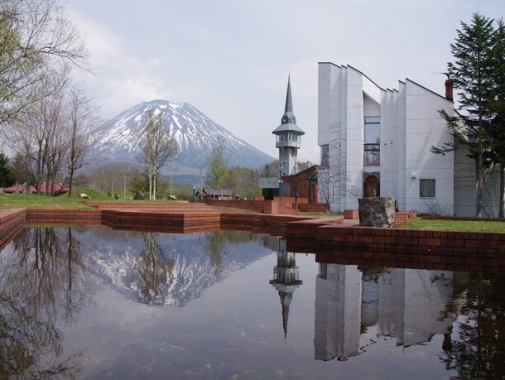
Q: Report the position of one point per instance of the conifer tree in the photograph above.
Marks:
(472, 75)
(497, 107)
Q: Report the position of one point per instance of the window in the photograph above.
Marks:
(325, 155)
(427, 188)
(372, 141)
(372, 130)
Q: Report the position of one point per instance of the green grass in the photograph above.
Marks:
(455, 225)
(42, 201)
(8, 201)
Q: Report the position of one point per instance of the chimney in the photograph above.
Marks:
(448, 89)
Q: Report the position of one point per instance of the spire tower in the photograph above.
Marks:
(288, 139)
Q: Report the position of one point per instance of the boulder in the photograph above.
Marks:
(377, 212)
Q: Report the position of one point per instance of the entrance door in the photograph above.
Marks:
(372, 187)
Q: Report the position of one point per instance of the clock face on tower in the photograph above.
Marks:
(284, 119)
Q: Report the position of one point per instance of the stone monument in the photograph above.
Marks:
(377, 212)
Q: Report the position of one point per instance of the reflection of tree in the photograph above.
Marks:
(215, 244)
(42, 281)
(24, 340)
(478, 351)
(152, 271)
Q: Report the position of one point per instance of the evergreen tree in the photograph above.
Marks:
(6, 176)
(472, 74)
(497, 107)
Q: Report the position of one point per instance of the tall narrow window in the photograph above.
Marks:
(325, 155)
(371, 146)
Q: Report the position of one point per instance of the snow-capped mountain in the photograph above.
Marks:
(117, 140)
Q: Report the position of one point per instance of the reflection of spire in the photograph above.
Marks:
(285, 280)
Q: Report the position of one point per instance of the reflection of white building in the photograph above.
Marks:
(410, 308)
(376, 142)
(411, 303)
(338, 311)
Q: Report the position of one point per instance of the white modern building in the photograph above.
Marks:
(376, 142)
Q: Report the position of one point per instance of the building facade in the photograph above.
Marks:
(377, 142)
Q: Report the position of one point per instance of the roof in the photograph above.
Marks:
(58, 188)
(218, 192)
(288, 120)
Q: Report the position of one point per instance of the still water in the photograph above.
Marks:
(98, 303)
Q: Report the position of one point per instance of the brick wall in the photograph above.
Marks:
(314, 207)
(11, 222)
(351, 214)
(445, 250)
(401, 218)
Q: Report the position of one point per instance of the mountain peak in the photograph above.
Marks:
(117, 140)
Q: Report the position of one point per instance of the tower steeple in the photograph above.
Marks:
(288, 137)
(289, 116)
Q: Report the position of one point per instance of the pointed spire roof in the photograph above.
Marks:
(288, 121)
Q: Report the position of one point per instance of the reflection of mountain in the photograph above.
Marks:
(169, 269)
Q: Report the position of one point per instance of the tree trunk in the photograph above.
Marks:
(154, 186)
(502, 190)
(479, 185)
(70, 182)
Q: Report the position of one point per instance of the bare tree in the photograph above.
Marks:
(56, 144)
(30, 135)
(38, 47)
(155, 149)
(83, 118)
(113, 178)
(333, 180)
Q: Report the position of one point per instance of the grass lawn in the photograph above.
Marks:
(8, 201)
(42, 201)
(455, 225)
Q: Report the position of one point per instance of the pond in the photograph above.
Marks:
(98, 303)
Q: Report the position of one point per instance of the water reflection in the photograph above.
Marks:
(477, 349)
(286, 280)
(43, 282)
(408, 305)
(359, 322)
(169, 269)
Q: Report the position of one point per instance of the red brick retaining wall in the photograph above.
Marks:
(314, 207)
(351, 214)
(464, 251)
(11, 221)
(55, 216)
(331, 240)
(401, 218)
(285, 207)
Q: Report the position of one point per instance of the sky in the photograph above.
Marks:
(231, 58)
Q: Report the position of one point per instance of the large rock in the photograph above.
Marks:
(377, 212)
